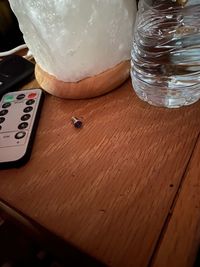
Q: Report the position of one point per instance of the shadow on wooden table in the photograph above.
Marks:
(33, 246)
(197, 262)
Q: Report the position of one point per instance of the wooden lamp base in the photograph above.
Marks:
(86, 88)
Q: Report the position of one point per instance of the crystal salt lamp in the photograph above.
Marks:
(81, 47)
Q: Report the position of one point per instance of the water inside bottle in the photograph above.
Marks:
(166, 52)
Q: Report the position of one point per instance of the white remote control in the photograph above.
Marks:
(19, 116)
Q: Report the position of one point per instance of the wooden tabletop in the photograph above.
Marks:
(125, 188)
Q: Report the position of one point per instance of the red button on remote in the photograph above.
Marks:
(32, 95)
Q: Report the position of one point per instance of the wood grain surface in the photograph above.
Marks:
(182, 236)
(107, 188)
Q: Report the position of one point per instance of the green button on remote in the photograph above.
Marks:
(8, 98)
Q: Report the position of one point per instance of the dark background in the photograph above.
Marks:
(10, 35)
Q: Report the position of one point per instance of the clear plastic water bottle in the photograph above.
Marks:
(166, 52)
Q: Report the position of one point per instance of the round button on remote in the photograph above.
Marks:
(20, 135)
(6, 105)
(3, 112)
(23, 125)
(21, 96)
(8, 98)
(2, 119)
(25, 117)
(32, 95)
(28, 109)
(30, 102)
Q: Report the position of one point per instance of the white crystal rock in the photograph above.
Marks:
(75, 39)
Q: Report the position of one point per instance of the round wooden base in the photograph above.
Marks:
(86, 88)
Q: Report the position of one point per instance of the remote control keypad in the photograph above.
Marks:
(16, 114)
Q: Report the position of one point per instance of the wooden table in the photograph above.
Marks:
(125, 189)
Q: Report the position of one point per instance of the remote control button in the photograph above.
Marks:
(23, 125)
(3, 112)
(25, 117)
(6, 105)
(30, 102)
(21, 96)
(2, 119)
(32, 95)
(28, 109)
(1, 83)
(20, 135)
(8, 98)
